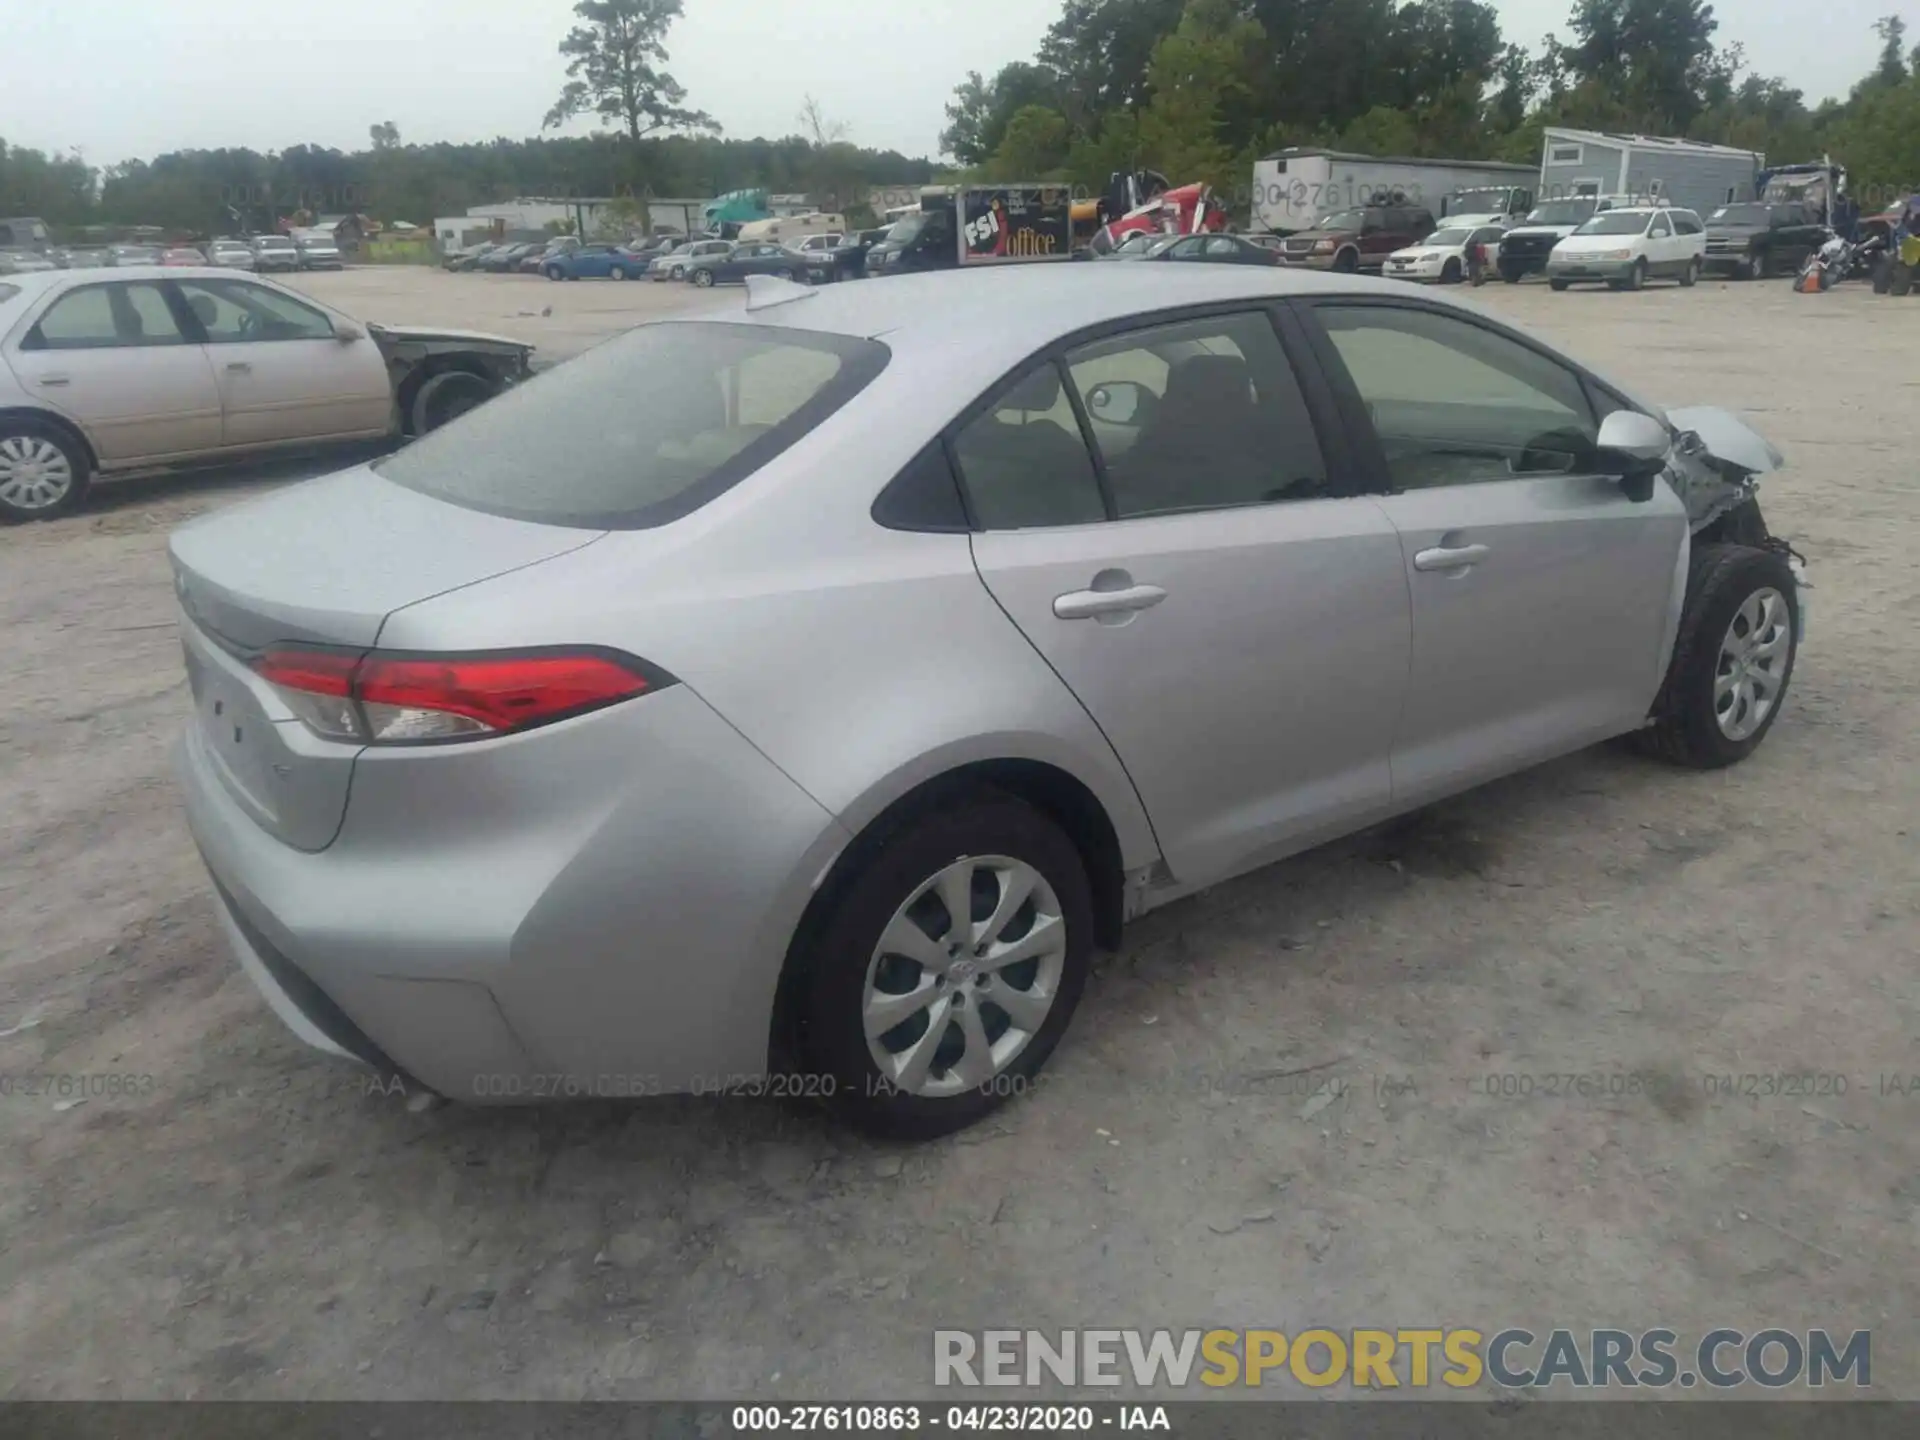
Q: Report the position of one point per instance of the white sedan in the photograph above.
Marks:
(185, 365)
(1441, 257)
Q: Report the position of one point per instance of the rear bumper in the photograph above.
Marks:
(538, 916)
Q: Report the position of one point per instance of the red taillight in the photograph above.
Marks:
(399, 699)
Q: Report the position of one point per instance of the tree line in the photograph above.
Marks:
(1199, 89)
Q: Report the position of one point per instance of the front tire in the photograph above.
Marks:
(1732, 660)
(1756, 267)
(1512, 274)
(922, 1033)
(1347, 262)
(554, 272)
(1559, 284)
(1690, 276)
(43, 472)
(1637, 276)
(618, 272)
(1450, 273)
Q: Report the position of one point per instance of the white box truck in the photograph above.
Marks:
(1293, 188)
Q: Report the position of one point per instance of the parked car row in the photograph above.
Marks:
(313, 251)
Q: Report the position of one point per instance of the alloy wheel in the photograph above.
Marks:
(35, 474)
(1752, 668)
(964, 976)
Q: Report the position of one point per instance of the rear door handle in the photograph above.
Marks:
(239, 366)
(1457, 557)
(53, 380)
(1090, 604)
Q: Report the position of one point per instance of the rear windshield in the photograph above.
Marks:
(643, 429)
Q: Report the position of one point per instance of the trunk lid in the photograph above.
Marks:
(323, 563)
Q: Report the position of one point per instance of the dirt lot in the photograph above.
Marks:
(252, 1222)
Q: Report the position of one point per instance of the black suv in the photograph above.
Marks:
(1757, 240)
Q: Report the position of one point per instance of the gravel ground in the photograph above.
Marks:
(250, 1221)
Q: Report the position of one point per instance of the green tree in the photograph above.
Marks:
(1200, 75)
(385, 135)
(614, 59)
(1035, 146)
(1892, 69)
(981, 110)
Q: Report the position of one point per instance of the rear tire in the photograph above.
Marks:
(1900, 279)
(847, 974)
(618, 272)
(1512, 274)
(1695, 722)
(44, 473)
(1558, 284)
(554, 272)
(703, 278)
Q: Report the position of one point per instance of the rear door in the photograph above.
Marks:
(1541, 594)
(285, 376)
(115, 358)
(1167, 530)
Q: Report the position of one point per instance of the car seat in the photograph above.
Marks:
(1031, 472)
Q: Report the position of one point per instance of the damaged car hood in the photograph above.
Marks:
(433, 337)
(1717, 458)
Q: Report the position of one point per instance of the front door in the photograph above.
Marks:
(1540, 591)
(285, 377)
(114, 358)
(1231, 617)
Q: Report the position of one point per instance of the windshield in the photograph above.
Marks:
(1479, 202)
(1616, 222)
(1448, 237)
(582, 446)
(1740, 215)
(1342, 220)
(909, 228)
(1561, 212)
(274, 242)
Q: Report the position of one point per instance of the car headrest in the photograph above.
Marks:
(1039, 391)
(1212, 382)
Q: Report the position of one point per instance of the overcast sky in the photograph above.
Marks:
(133, 78)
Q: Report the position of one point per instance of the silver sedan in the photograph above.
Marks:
(809, 715)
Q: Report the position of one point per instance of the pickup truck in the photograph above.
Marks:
(1756, 240)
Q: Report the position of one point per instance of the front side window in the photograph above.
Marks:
(234, 312)
(1455, 403)
(107, 317)
(585, 446)
(1660, 228)
(1023, 461)
(1198, 415)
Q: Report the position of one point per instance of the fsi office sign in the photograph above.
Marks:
(1016, 222)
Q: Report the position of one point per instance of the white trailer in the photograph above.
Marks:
(1293, 188)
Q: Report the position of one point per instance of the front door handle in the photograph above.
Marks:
(53, 380)
(1091, 604)
(239, 367)
(1457, 557)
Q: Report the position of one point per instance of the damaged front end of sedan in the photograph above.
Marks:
(1715, 468)
(439, 375)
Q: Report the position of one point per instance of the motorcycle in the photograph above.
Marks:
(1836, 260)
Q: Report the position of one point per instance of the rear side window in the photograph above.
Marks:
(643, 429)
(1024, 462)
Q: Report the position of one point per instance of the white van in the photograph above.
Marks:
(1627, 246)
(792, 229)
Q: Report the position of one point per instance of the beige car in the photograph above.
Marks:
(154, 367)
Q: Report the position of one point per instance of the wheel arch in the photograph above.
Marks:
(427, 369)
(1051, 789)
(58, 422)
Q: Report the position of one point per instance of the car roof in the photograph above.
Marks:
(1020, 308)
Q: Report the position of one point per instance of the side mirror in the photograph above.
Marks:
(348, 331)
(1116, 402)
(1634, 447)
